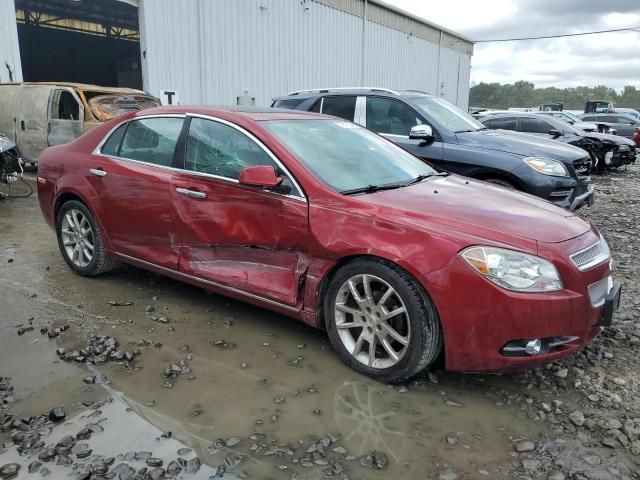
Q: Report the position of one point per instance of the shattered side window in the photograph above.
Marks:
(221, 150)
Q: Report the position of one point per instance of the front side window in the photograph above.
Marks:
(534, 125)
(343, 107)
(152, 140)
(385, 115)
(446, 115)
(218, 149)
(346, 156)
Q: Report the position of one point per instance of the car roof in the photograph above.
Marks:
(253, 113)
(343, 91)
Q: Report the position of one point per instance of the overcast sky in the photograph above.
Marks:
(612, 59)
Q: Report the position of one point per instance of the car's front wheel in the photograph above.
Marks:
(80, 240)
(380, 321)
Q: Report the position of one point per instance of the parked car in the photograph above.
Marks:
(623, 124)
(38, 115)
(607, 151)
(457, 143)
(323, 220)
(571, 119)
(630, 112)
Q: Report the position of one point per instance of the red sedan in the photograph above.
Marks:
(322, 220)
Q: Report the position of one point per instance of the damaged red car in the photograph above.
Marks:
(327, 222)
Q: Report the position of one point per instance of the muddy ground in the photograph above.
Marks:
(252, 394)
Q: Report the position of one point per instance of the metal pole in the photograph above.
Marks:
(438, 89)
(364, 39)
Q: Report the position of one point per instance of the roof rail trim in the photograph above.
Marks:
(329, 89)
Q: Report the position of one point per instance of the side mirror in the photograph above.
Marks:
(571, 122)
(263, 176)
(555, 133)
(421, 132)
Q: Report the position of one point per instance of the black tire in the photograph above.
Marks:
(101, 261)
(426, 340)
(501, 183)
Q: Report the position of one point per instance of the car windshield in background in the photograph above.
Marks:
(447, 115)
(348, 157)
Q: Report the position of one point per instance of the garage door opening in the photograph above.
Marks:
(84, 41)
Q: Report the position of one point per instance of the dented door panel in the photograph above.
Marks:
(241, 237)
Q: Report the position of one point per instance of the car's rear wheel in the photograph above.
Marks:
(380, 321)
(501, 183)
(80, 240)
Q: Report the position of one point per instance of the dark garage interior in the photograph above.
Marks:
(84, 41)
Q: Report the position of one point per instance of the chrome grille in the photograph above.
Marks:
(599, 290)
(590, 256)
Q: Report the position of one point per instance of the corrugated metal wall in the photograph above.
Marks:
(9, 48)
(213, 52)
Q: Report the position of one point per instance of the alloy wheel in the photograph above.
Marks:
(372, 321)
(77, 237)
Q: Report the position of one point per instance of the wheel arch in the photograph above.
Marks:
(501, 175)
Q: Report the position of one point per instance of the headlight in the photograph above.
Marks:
(547, 166)
(513, 270)
(624, 148)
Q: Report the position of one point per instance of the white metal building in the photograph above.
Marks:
(229, 51)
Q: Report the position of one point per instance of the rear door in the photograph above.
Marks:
(343, 106)
(624, 125)
(394, 119)
(240, 237)
(66, 116)
(131, 175)
(32, 120)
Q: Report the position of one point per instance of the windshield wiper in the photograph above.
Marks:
(372, 188)
(424, 176)
(391, 186)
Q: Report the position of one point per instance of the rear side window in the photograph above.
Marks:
(291, 103)
(343, 107)
(112, 145)
(503, 124)
(385, 115)
(534, 125)
(152, 140)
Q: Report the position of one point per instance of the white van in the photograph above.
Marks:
(38, 115)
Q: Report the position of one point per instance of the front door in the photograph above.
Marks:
(66, 116)
(234, 235)
(131, 176)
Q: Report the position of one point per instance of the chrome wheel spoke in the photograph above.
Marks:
(367, 289)
(372, 350)
(354, 292)
(389, 349)
(358, 346)
(346, 309)
(388, 330)
(387, 315)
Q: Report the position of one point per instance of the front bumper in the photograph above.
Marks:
(480, 319)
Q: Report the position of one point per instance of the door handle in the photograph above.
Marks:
(191, 193)
(22, 127)
(98, 172)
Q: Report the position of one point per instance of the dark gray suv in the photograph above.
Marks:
(448, 138)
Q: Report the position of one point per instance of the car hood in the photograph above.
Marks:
(520, 144)
(585, 126)
(480, 209)
(615, 139)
